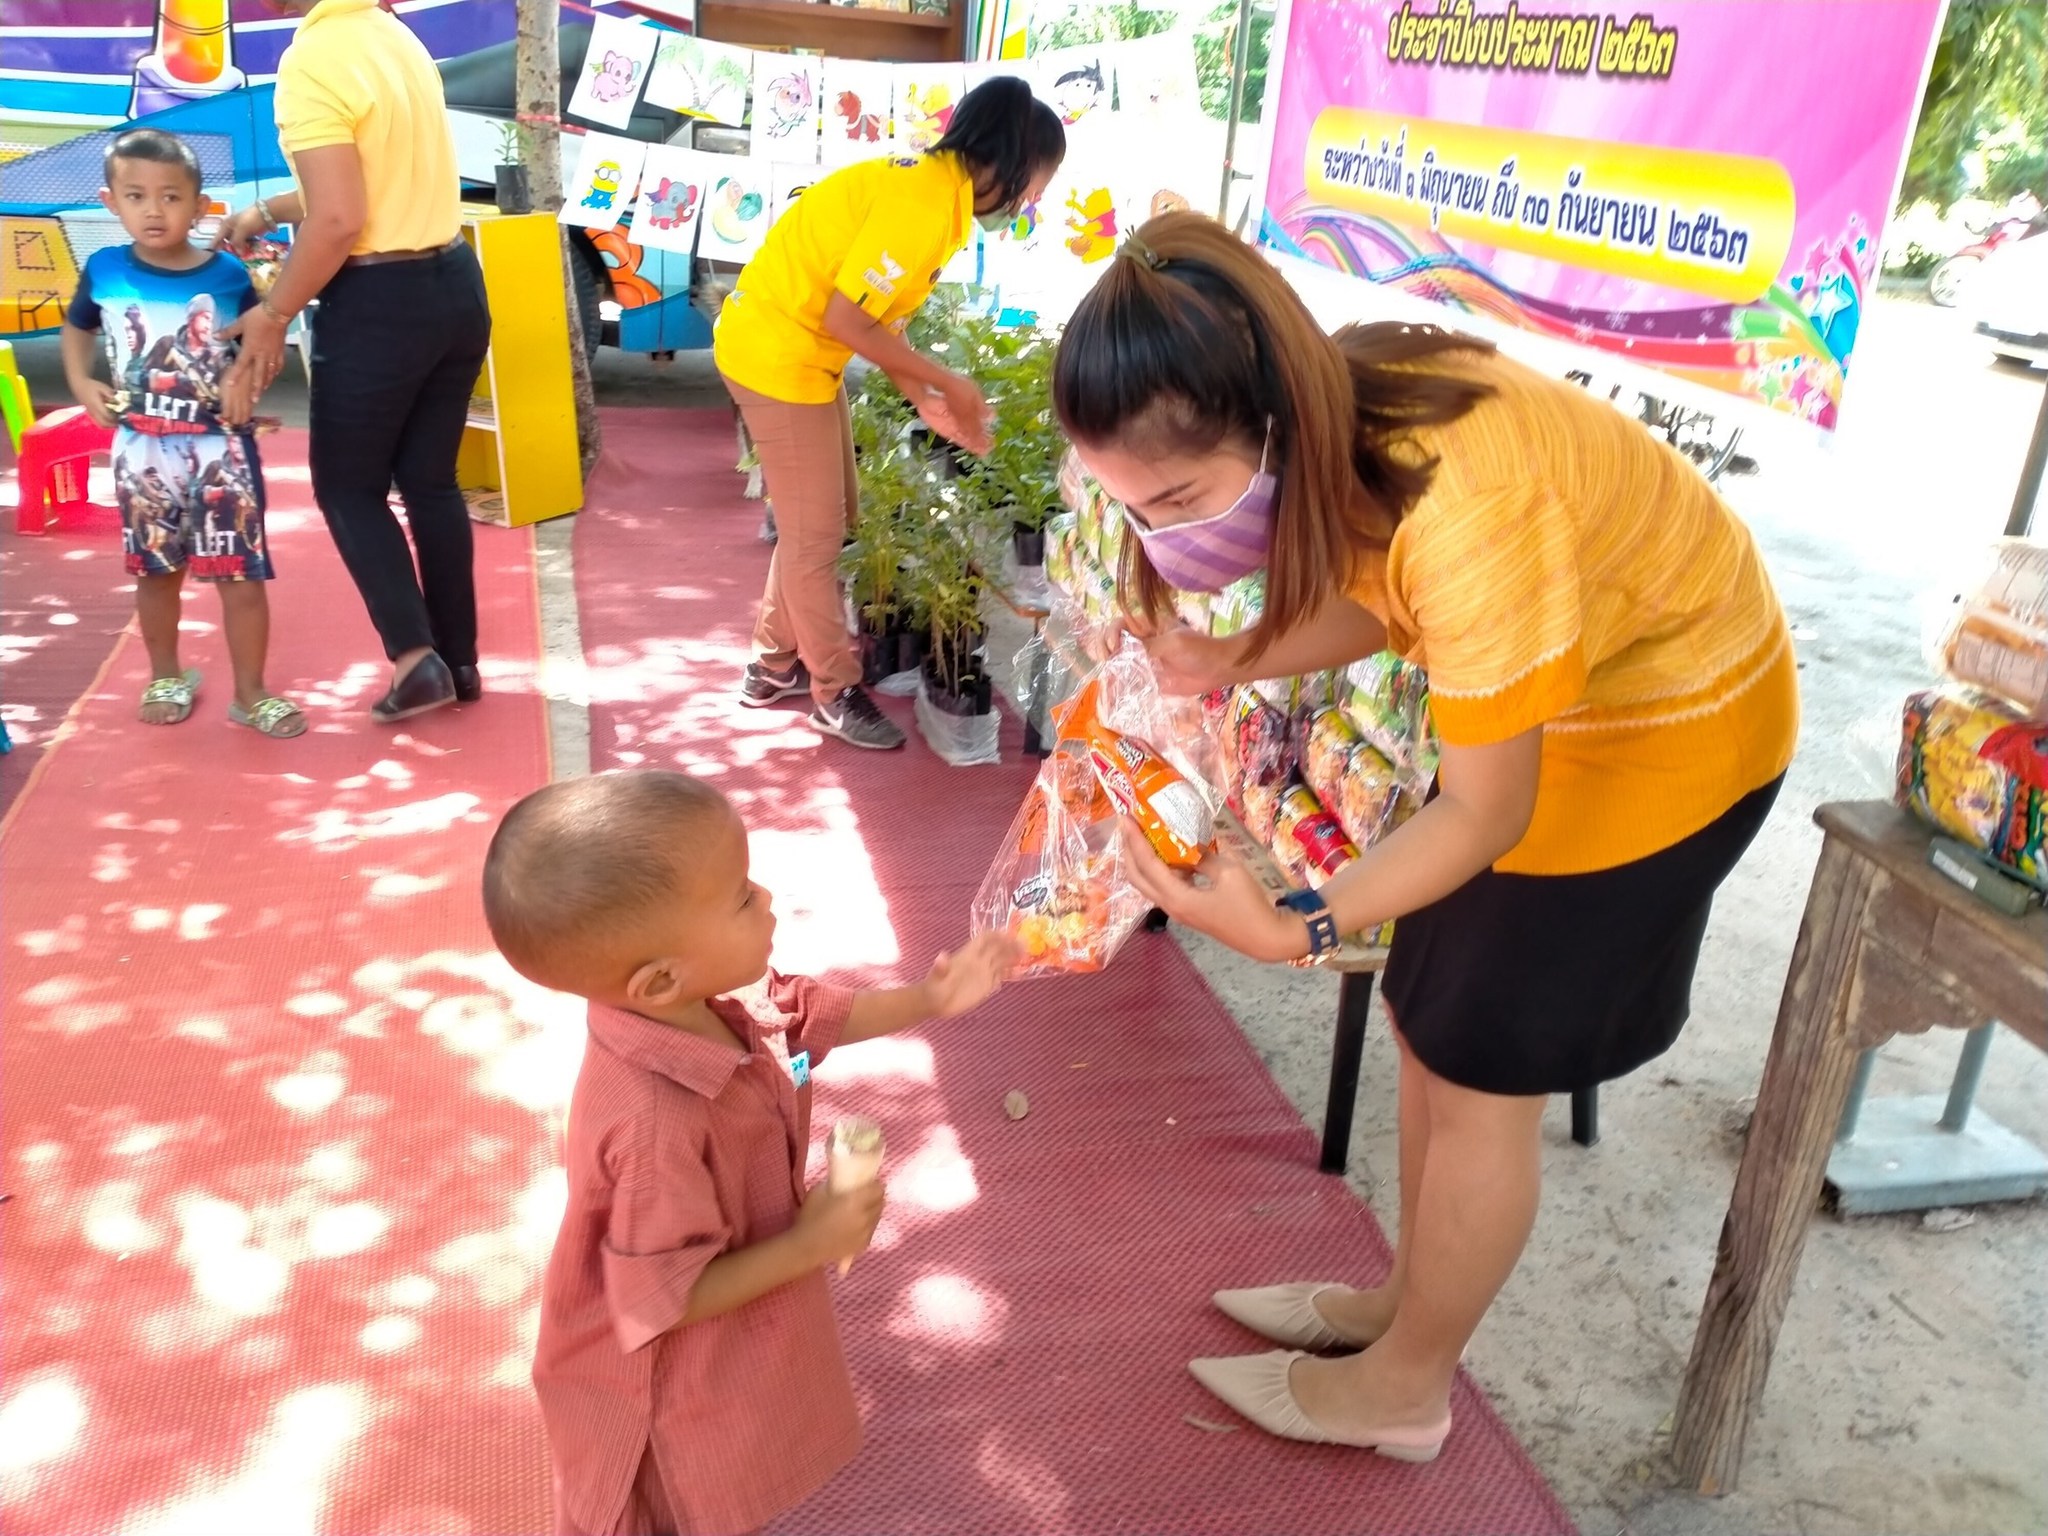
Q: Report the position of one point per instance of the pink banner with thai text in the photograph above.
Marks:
(1700, 186)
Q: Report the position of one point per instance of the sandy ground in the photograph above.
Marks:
(1911, 1385)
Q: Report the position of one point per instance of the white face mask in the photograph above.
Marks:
(995, 223)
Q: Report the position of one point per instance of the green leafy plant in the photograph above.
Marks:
(933, 522)
(515, 144)
(1019, 476)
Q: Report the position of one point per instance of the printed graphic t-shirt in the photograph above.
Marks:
(162, 329)
(879, 232)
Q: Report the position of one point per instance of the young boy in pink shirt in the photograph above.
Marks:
(689, 1370)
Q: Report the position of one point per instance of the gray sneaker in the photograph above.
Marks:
(853, 718)
(760, 687)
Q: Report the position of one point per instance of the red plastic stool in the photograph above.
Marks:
(56, 456)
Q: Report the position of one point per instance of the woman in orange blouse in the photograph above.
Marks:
(1613, 683)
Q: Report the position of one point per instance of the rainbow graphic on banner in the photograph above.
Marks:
(1789, 350)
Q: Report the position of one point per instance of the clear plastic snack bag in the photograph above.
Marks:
(1997, 639)
(1059, 884)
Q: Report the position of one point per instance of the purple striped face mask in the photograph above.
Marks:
(1211, 553)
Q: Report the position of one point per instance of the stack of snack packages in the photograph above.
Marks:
(1315, 768)
(1973, 753)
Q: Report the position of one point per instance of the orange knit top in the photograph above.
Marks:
(1569, 570)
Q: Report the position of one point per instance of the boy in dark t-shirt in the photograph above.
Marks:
(186, 474)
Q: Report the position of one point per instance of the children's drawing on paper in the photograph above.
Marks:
(925, 98)
(1091, 219)
(857, 109)
(614, 69)
(701, 79)
(1155, 78)
(671, 198)
(1078, 87)
(607, 173)
(787, 92)
(735, 212)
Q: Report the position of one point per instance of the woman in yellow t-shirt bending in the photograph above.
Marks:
(842, 273)
(1613, 682)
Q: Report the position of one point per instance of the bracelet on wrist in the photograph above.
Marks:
(273, 311)
(263, 212)
(1323, 938)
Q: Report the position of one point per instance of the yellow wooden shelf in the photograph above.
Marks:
(519, 462)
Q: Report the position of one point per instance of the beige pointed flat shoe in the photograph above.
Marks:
(1287, 1314)
(1257, 1387)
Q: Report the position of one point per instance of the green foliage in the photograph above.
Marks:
(1918, 262)
(1112, 23)
(932, 521)
(1987, 100)
(1214, 45)
(1019, 478)
(515, 144)
(1121, 20)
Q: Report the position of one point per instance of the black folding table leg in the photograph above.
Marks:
(1036, 698)
(1354, 1004)
(1586, 1116)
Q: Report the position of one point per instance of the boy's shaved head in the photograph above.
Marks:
(577, 868)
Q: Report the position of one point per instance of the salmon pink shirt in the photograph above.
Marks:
(681, 1149)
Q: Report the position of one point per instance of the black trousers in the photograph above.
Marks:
(397, 347)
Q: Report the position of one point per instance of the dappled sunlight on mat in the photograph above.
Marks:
(281, 1125)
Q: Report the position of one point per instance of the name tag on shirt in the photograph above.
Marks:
(800, 1068)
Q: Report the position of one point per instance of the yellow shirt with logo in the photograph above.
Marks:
(354, 74)
(878, 232)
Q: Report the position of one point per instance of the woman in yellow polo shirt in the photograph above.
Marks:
(400, 335)
(842, 273)
(1613, 682)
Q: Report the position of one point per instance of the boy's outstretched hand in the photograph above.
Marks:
(969, 976)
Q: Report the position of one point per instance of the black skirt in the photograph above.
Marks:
(1540, 984)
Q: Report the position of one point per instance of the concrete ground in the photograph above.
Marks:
(1911, 1385)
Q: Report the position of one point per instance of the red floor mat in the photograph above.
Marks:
(277, 1140)
(64, 599)
(1019, 1335)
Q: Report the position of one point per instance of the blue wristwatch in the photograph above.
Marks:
(1323, 938)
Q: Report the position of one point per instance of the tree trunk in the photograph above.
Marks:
(539, 107)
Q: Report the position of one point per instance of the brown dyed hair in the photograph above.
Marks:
(1192, 339)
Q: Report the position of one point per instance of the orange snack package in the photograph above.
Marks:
(1176, 819)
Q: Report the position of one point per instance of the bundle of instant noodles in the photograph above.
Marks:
(1972, 767)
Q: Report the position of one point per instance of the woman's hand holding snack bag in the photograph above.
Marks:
(1220, 897)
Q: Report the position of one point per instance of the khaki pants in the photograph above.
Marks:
(806, 454)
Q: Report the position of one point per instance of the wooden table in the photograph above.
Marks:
(1887, 946)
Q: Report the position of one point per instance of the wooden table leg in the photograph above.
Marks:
(1805, 1084)
(1354, 1006)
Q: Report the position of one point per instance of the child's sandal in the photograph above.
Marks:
(271, 716)
(177, 692)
